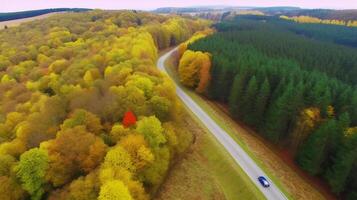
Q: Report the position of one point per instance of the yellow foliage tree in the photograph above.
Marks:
(118, 131)
(114, 190)
(194, 68)
(151, 129)
(138, 149)
(305, 124)
(118, 157)
(315, 20)
(143, 83)
(81, 117)
(198, 35)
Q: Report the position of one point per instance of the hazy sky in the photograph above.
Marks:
(17, 5)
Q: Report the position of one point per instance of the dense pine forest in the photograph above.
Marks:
(294, 83)
(84, 112)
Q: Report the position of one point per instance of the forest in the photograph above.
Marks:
(298, 92)
(315, 20)
(324, 14)
(84, 112)
(345, 15)
(322, 32)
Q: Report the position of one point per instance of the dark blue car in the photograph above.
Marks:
(263, 181)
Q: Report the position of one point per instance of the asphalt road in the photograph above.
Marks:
(238, 154)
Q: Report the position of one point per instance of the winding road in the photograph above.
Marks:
(238, 154)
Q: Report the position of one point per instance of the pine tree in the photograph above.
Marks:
(261, 102)
(235, 93)
(325, 102)
(213, 86)
(248, 102)
(353, 108)
(335, 139)
(313, 153)
(281, 113)
(342, 101)
(346, 157)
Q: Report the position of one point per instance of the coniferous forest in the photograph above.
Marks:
(296, 85)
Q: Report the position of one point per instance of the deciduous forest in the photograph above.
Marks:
(84, 113)
(294, 83)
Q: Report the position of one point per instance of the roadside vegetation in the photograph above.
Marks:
(84, 112)
(206, 170)
(297, 92)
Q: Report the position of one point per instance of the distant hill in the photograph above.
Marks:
(327, 14)
(278, 9)
(345, 15)
(186, 9)
(33, 13)
(199, 9)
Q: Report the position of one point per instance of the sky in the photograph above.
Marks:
(20, 5)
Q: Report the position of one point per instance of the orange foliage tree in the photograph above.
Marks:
(194, 70)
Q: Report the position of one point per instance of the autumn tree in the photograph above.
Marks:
(118, 131)
(194, 70)
(143, 83)
(129, 119)
(114, 190)
(10, 189)
(151, 129)
(138, 149)
(68, 157)
(31, 171)
(83, 188)
(118, 157)
(306, 122)
(6, 164)
(84, 118)
(161, 107)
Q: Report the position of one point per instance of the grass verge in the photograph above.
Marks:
(206, 171)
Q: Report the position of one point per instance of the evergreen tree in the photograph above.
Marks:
(342, 101)
(353, 108)
(248, 102)
(234, 96)
(344, 121)
(261, 103)
(213, 88)
(282, 112)
(335, 139)
(325, 102)
(293, 75)
(218, 89)
(312, 153)
(346, 157)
